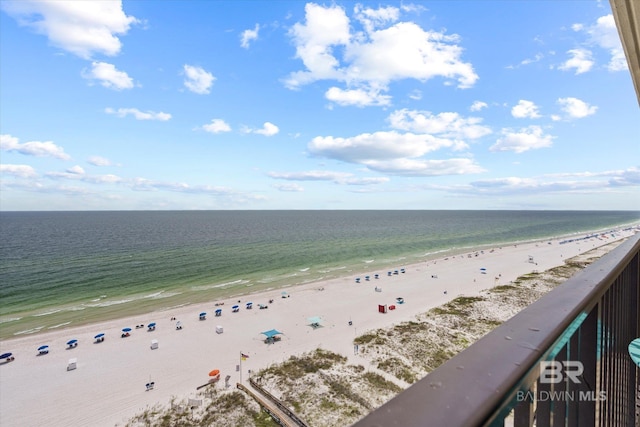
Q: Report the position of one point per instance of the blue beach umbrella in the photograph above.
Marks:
(43, 347)
(126, 330)
(151, 325)
(203, 313)
(100, 335)
(72, 342)
(5, 356)
(236, 306)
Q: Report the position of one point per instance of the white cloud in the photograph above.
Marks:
(139, 115)
(289, 187)
(581, 60)
(217, 126)
(372, 58)
(99, 161)
(108, 76)
(20, 171)
(394, 153)
(197, 80)
(342, 178)
(77, 169)
(416, 95)
(268, 129)
(376, 146)
(478, 105)
(447, 124)
(530, 138)
(576, 108)
(376, 18)
(80, 27)
(605, 34)
(357, 97)
(423, 167)
(525, 109)
(32, 148)
(249, 35)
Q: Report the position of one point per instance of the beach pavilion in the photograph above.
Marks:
(315, 321)
(272, 336)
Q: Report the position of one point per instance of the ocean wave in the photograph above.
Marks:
(220, 285)
(368, 261)
(304, 269)
(10, 319)
(157, 294)
(29, 331)
(57, 326)
(110, 303)
(329, 270)
(46, 313)
(163, 294)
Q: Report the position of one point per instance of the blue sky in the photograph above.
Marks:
(290, 105)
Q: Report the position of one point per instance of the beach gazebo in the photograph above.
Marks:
(43, 349)
(218, 312)
(315, 321)
(203, 316)
(72, 343)
(99, 337)
(272, 336)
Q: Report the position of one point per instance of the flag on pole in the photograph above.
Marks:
(244, 356)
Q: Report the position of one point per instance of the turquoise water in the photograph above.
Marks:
(61, 268)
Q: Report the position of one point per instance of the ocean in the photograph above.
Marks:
(70, 268)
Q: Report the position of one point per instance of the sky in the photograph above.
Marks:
(180, 105)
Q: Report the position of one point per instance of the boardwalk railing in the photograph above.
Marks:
(562, 361)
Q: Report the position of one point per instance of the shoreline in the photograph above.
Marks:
(71, 316)
(107, 388)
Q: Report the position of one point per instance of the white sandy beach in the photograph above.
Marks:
(108, 386)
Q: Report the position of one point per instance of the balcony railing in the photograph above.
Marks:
(562, 361)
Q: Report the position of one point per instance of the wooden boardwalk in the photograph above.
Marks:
(271, 408)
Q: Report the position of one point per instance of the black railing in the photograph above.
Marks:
(562, 361)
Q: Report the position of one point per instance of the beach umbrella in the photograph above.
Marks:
(100, 335)
(203, 314)
(214, 373)
(5, 356)
(151, 325)
(483, 269)
(71, 342)
(126, 330)
(235, 306)
(43, 347)
(271, 333)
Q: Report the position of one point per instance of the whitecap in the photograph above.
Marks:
(57, 326)
(110, 303)
(29, 331)
(304, 269)
(10, 319)
(46, 313)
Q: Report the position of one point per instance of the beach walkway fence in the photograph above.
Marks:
(563, 360)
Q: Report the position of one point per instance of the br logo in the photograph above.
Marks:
(554, 371)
